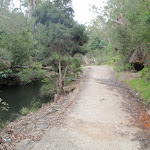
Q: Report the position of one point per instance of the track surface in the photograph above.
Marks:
(96, 121)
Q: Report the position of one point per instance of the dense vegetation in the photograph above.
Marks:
(38, 35)
(39, 41)
(124, 26)
(120, 36)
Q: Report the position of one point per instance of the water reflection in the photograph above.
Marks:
(18, 97)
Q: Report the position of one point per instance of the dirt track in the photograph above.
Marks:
(96, 121)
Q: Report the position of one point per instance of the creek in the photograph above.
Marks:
(18, 97)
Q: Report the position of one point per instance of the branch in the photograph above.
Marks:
(115, 21)
(4, 17)
(66, 68)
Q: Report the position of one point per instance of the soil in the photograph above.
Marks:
(102, 113)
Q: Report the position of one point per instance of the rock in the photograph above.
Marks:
(30, 127)
(6, 140)
(137, 57)
(51, 111)
(148, 112)
(9, 131)
(44, 126)
(35, 133)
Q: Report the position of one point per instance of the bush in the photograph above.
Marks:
(5, 73)
(36, 66)
(3, 106)
(75, 65)
(35, 105)
(30, 74)
(145, 73)
(24, 111)
(48, 90)
(68, 79)
(123, 67)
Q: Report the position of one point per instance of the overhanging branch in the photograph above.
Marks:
(115, 21)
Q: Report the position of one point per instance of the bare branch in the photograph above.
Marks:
(115, 21)
(4, 17)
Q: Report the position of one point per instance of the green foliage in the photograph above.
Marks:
(5, 57)
(123, 25)
(145, 73)
(35, 105)
(36, 66)
(20, 47)
(69, 78)
(119, 67)
(3, 106)
(48, 90)
(16, 38)
(24, 111)
(141, 86)
(49, 87)
(75, 65)
(30, 74)
(96, 43)
(5, 73)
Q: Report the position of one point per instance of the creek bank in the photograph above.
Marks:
(22, 88)
(30, 128)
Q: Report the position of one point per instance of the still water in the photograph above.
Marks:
(18, 97)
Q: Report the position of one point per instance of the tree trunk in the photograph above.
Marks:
(86, 60)
(60, 72)
(66, 70)
(108, 38)
(20, 5)
(2, 3)
(33, 5)
(28, 10)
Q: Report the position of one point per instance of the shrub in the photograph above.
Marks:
(48, 90)
(75, 65)
(5, 73)
(28, 75)
(122, 67)
(35, 105)
(3, 106)
(145, 73)
(24, 111)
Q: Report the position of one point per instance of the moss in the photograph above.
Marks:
(141, 86)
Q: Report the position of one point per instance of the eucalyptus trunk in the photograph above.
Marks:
(60, 71)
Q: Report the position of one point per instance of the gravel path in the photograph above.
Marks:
(96, 121)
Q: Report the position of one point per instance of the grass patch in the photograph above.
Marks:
(35, 105)
(24, 111)
(141, 86)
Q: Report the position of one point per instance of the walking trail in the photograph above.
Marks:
(96, 121)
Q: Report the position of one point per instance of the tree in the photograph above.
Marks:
(61, 33)
(16, 37)
(124, 24)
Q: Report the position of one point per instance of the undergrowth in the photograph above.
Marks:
(35, 105)
(142, 87)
